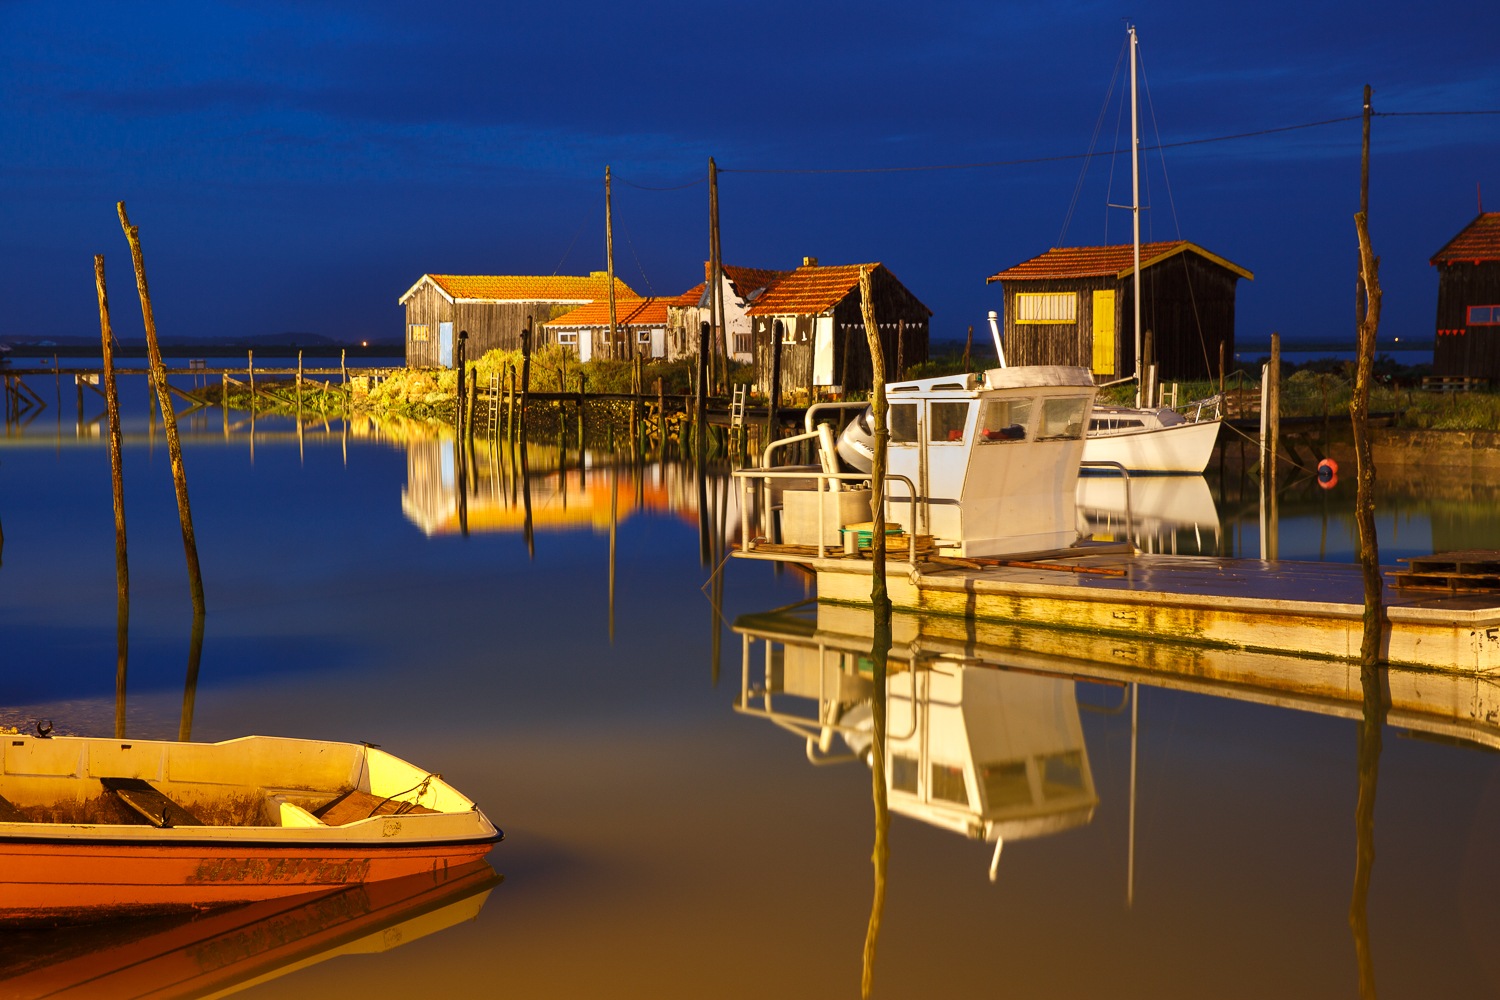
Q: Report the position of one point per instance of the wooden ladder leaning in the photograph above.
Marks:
(737, 413)
(494, 415)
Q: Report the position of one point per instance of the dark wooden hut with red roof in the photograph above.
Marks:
(1468, 305)
(1076, 306)
(815, 312)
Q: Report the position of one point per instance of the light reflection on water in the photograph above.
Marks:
(660, 843)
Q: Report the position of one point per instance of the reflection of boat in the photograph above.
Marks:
(1159, 507)
(233, 949)
(972, 747)
(1150, 441)
(94, 827)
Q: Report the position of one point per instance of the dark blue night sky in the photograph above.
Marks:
(296, 167)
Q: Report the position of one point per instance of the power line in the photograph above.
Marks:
(679, 187)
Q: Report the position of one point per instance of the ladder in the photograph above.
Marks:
(494, 420)
(737, 407)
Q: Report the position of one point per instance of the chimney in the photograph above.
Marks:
(598, 274)
(809, 262)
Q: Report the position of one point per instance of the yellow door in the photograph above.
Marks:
(1104, 332)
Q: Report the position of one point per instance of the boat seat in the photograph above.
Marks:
(156, 808)
(9, 813)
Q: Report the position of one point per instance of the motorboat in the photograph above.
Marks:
(105, 827)
(1157, 441)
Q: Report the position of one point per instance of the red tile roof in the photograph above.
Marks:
(501, 288)
(628, 312)
(691, 297)
(808, 291)
(1479, 240)
(1090, 262)
(748, 279)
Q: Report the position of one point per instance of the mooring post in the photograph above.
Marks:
(250, 373)
(344, 366)
(459, 398)
(1273, 426)
(526, 372)
(699, 403)
(117, 484)
(299, 379)
(773, 396)
(169, 415)
(1359, 414)
(661, 416)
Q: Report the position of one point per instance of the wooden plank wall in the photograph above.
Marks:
(490, 325)
(1056, 343)
(1475, 353)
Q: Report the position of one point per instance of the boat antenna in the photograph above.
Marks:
(995, 332)
(1135, 212)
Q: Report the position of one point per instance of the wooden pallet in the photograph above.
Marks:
(1470, 571)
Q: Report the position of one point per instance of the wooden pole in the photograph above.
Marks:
(1273, 448)
(117, 485)
(716, 303)
(510, 402)
(661, 417)
(459, 397)
(773, 394)
(299, 377)
(699, 403)
(526, 365)
(169, 415)
(344, 366)
(968, 346)
(250, 371)
(1359, 413)
(609, 261)
(882, 637)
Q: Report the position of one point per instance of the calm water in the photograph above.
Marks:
(657, 841)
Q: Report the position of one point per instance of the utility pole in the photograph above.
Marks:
(716, 303)
(609, 254)
(1135, 217)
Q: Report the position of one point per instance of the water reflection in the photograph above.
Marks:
(228, 950)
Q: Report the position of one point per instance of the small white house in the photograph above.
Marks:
(640, 325)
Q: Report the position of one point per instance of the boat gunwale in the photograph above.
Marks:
(157, 844)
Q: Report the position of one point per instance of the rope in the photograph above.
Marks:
(420, 788)
(1283, 458)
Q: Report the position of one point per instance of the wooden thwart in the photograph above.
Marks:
(158, 810)
(355, 805)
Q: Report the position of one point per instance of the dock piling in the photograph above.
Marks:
(117, 485)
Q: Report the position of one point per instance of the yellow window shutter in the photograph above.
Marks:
(1104, 332)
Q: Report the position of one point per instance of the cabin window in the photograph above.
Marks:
(643, 337)
(1006, 784)
(1484, 315)
(948, 784)
(742, 344)
(903, 423)
(1062, 774)
(904, 771)
(1046, 307)
(947, 422)
(1062, 419)
(785, 331)
(1005, 420)
(567, 337)
(417, 331)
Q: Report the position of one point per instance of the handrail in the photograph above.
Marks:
(765, 475)
(808, 417)
(1125, 474)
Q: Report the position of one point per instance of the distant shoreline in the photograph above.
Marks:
(375, 350)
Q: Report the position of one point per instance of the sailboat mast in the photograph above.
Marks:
(1135, 216)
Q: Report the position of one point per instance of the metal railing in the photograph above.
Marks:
(765, 476)
(1124, 474)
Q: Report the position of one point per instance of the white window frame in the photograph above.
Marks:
(1049, 308)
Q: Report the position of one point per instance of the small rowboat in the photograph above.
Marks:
(93, 828)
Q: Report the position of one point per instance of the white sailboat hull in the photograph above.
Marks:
(1181, 449)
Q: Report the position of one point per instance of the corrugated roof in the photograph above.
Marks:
(691, 297)
(809, 290)
(521, 288)
(1118, 261)
(1479, 240)
(628, 312)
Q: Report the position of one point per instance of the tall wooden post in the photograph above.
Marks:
(609, 262)
(344, 366)
(1273, 449)
(117, 484)
(169, 415)
(661, 417)
(1221, 376)
(968, 347)
(880, 648)
(1359, 412)
(459, 397)
(900, 349)
(699, 408)
(526, 368)
(773, 394)
(716, 302)
(250, 374)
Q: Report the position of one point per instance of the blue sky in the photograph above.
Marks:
(298, 166)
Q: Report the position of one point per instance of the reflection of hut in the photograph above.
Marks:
(493, 309)
(640, 328)
(1076, 306)
(1468, 305)
(815, 311)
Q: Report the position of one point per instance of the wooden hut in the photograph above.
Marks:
(1468, 304)
(742, 286)
(815, 313)
(684, 313)
(493, 309)
(1076, 306)
(640, 327)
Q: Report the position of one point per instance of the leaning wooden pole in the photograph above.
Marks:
(609, 264)
(1359, 412)
(169, 415)
(117, 483)
(882, 643)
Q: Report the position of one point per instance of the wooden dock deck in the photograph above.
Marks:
(1300, 608)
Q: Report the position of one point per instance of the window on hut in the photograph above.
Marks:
(417, 331)
(1484, 315)
(1046, 307)
(567, 336)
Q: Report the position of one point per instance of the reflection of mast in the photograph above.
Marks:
(1364, 826)
(1135, 704)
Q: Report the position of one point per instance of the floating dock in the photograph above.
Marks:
(1300, 608)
